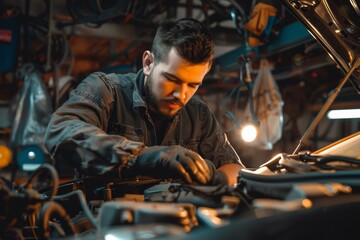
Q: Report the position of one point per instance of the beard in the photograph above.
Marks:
(154, 102)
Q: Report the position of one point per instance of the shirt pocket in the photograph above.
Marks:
(129, 132)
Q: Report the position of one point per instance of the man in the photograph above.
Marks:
(148, 122)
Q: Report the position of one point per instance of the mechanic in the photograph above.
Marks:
(148, 121)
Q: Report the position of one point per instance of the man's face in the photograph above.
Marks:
(171, 84)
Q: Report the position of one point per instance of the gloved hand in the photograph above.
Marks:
(173, 161)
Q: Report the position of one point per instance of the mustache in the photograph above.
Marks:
(174, 101)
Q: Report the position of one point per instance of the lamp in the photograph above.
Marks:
(344, 114)
(248, 130)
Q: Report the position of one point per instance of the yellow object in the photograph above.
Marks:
(5, 156)
(258, 21)
(254, 41)
(259, 18)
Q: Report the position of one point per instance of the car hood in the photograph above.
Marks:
(335, 24)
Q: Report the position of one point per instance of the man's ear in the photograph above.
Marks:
(148, 62)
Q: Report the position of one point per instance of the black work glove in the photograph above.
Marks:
(173, 161)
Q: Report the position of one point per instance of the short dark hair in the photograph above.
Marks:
(192, 40)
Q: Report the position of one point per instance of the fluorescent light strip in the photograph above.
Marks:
(344, 114)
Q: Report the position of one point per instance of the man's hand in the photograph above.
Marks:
(173, 161)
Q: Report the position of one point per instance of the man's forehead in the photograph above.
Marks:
(181, 69)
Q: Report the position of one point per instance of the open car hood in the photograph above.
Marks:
(335, 24)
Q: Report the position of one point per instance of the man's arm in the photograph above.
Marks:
(231, 171)
(216, 147)
(76, 134)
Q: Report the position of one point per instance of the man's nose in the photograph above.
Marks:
(180, 92)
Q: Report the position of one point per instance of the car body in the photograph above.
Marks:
(335, 24)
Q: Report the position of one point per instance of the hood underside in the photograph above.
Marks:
(335, 24)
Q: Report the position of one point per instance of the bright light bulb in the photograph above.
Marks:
(248, 133)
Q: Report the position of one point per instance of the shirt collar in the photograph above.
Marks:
(139, 98)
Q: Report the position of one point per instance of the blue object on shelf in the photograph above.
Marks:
(29, 158)
(9, 42)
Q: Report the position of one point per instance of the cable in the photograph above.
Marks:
(45, 215)
(54, 175)
(251, 104)
(83, 204)
(31, 219)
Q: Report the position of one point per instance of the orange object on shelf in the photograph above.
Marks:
(5, 156)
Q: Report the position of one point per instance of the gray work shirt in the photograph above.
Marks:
(105, 123)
